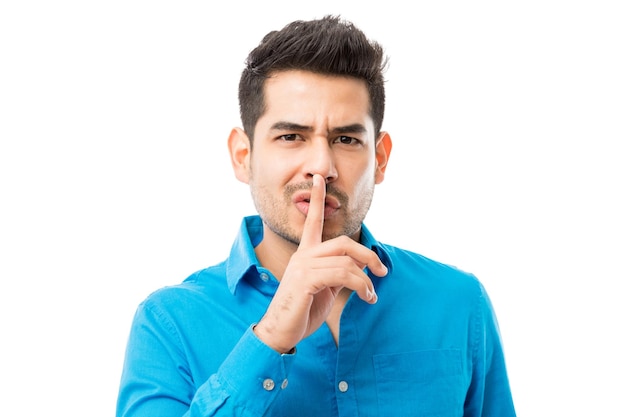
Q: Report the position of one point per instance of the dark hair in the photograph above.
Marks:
(329, 46)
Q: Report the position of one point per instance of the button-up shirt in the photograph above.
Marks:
(430, 346)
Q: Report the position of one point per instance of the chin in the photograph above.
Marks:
(333, 232)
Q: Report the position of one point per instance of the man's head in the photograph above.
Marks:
(312, 95)
(328, 46)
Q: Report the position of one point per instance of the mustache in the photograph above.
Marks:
(331, 190)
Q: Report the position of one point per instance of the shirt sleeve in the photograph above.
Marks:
(156, 380)
(489, 394)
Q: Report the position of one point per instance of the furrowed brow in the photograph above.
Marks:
(339, 130)
(291, 127)
(354, 128)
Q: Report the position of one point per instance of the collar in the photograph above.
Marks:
(242, 259)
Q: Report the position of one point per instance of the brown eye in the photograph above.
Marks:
(289, 137)
(347, 140)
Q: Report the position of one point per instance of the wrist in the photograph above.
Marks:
(266, 337)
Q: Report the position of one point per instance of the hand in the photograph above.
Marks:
(316, 273)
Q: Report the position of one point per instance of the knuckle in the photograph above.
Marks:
(345, 240)
(346, 263)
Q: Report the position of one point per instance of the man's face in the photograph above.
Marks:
(314, 124)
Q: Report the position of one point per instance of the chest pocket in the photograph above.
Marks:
(421, 383)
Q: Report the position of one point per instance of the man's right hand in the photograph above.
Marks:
(315, 275)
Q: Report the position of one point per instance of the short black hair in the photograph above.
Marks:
(329, 46)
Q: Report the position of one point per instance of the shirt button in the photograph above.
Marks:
(268, 384)
(284, 384)
(264, 277)
(343, 386)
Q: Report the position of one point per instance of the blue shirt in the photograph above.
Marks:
(430, 346)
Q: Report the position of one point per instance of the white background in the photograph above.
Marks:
(508, 120)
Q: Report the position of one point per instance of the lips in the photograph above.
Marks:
(302, 201)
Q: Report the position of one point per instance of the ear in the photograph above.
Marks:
(239, 149)
(383, 150)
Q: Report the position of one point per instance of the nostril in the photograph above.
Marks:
(327, 179)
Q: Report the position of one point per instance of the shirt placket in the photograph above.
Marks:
(345, 387)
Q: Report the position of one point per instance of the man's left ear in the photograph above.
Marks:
(383, 150)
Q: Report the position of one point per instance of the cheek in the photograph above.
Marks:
(362, 180)
(272, 168)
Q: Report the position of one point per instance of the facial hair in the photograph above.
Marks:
(274, 211)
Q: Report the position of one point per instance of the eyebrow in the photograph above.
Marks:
(353, 128)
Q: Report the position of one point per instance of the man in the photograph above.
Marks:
(310, 315)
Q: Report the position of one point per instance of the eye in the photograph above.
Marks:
(347, 140)
(290, 137)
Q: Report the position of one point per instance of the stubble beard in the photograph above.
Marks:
(274, 212)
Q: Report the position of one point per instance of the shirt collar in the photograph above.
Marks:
(368, 240)
(242, 259)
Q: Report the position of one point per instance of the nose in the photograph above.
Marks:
(320, 160)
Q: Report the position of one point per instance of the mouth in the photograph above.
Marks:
(302, 202)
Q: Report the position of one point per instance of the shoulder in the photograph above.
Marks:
(192, 291)
(416, 269)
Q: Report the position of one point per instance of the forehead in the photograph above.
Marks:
(297, 95)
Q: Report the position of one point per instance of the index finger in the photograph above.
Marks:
(314, 222)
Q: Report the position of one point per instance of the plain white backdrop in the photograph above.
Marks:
(509, 124)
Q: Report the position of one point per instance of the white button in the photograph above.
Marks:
(264, 277)
(343, 386)
(268, 384)
(284, 384)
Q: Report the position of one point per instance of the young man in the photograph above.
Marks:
(310, 315)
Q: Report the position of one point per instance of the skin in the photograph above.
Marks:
(312, 174)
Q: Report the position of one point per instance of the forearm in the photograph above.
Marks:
(155, 384)
(247, 383)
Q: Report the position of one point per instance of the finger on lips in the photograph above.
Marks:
(314, 222)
